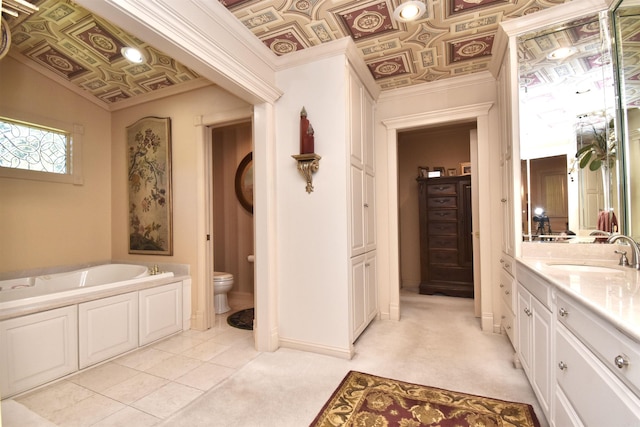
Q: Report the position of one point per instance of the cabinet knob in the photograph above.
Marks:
(621, 361)
(366, 205)
(508, 327)
(367, 264)
(503, 200)
(507, 292)
(501, 261)
(527, 312)
(501, 285)
(506, 264)
(562, 365)
(562, 312)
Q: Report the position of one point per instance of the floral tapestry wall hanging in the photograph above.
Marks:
(149, 182)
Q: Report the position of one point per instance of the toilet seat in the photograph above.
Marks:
(221, 276)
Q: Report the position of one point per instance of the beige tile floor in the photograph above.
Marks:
(216, 378)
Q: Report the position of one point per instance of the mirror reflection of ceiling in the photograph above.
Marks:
(453, 38)
(559, 93)
(629, 24)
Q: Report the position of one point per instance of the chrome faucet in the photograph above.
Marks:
(632, 243)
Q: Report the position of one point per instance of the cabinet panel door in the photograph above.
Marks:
(358, 279)
(369, 205)
(37, 348)
(371, 283)
(357, 211)
(524, 329)
(107, 327)
(160, 312)
(541, 355)
(355, 120)
(368, 134)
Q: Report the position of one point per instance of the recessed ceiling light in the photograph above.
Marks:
(132, 54)
(562, 53)
(409, 10)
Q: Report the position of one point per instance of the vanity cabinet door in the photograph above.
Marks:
(534, 345)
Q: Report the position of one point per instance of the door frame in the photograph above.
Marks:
(480, 210)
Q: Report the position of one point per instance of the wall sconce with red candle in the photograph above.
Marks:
(308, 160)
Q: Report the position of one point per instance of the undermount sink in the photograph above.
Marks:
(585, 268)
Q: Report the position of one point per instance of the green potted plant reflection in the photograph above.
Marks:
(599, 150)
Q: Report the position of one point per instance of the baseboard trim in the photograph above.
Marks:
(320, 349)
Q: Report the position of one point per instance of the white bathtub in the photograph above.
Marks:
(15, 293)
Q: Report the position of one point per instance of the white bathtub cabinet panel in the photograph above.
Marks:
(364, 296)
(594, 392)
(37, 348)
(564, 415)
(107, 328)
(160, 312)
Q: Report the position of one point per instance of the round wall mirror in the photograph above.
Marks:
(244, 183)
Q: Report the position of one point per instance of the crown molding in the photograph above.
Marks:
(429, 88)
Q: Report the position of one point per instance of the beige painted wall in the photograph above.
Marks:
(232, 224)
(446, 147)
(44, 224)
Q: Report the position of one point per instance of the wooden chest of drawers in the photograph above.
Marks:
(446, 253)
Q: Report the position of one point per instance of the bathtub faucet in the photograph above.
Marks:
(632, 243)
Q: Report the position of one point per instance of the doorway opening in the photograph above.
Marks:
(439, 154)
(230, 210)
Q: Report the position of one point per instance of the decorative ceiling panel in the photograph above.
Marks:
(453, 38)
(86, 50)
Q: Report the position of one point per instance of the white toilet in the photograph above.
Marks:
(222, 283)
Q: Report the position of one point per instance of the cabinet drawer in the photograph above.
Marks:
(507, 264)
(606, 342)
(598, 396)
(507, 324)
(443, 228)
(506, 289)
(442, 202)
(443, 256)
(443, 215)
(443, 242)
(535, 284)
(441, 188)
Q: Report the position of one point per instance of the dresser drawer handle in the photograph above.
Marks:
(441, 201)
(562, 366)
(562, 312)
(621, 361)
(507, 265)
(501, 285)
(507, 292)
(527, 312)
(440, 214)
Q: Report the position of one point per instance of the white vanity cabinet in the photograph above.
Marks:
(107, 327)
(363, 279)
(38, 348)
(535, 332)
(596, 368)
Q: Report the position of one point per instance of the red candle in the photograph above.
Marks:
(308, 141)
(304, 127)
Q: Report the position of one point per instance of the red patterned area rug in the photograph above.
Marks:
(368, 400)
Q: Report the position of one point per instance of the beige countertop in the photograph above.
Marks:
(612, 293)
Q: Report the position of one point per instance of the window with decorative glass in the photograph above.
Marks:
(32, 147)
(40, 152)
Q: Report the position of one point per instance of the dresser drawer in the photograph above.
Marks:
(443, 215)
(442, 202)
(451, 274)
(608, 344)
(507, 264)
(443, 228)
(443, 242)
(443, 257)
(508, 320)
(442, 188)
(535, 284)
(597, 395)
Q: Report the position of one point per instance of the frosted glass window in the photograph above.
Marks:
(35, 148)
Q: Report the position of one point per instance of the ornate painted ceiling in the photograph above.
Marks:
(453, 38)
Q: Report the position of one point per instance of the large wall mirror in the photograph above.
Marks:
(568, 143)
(626, 26)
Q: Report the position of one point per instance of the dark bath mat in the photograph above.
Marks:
(242, 319)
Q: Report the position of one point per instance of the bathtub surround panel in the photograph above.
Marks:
(40, 343)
